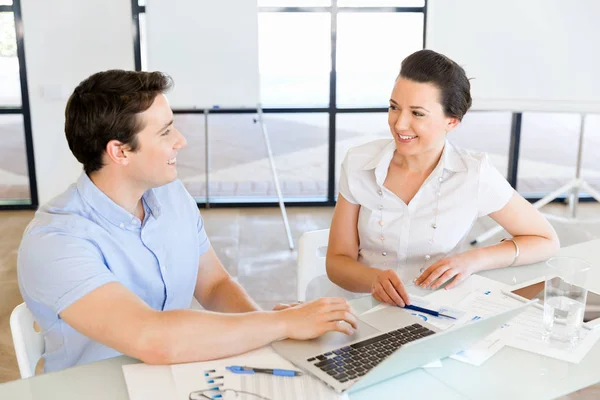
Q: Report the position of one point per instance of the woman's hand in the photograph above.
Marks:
(284, 306)
(388, 288)
(456, 268)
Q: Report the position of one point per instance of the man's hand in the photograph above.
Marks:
(458, 268)
(313, 319)
(388, 288)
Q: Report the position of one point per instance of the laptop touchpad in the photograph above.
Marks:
(334, 340)
(388, 318)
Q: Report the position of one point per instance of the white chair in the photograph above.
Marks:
(29, 344)
(311, 259)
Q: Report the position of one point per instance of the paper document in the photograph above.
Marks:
(438, 322)
(525, 331)
(482, 350)
(182, 379)
(473, 284)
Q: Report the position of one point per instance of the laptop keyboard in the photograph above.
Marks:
(356, 360)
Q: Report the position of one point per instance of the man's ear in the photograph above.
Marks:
(117, 152)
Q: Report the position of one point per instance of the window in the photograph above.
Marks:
(143, 45)
(294, 3)
(355, 129)
(10, 95)
(14, 179)
(381, 3)
(239, 166)
(296, 46)
(549, 146)
(294, 62)
(370, 49)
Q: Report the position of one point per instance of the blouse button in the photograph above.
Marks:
(381, 238)
(434, 226)
(380, 192)
(440, 179)
(381, 223)
(384, 253)
(427, 257)
(380, 206)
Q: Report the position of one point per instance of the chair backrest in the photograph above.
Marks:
(311, 259)
(29, 344)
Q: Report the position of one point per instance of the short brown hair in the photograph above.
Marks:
(427, 66)
(104, 107)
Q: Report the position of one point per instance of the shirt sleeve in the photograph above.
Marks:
(344, 184)
(494, 191)
(202, 236)
(203, 241)
(57, 269)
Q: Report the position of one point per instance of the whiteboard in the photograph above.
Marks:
(524, 55)
(210, 49)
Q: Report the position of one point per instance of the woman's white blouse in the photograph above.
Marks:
(463, 187)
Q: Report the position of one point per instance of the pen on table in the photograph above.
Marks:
(236, 369)
(427, 311)
(213, 379)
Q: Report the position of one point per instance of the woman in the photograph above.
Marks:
(406, 205)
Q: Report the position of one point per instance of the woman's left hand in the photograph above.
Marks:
(459, 267)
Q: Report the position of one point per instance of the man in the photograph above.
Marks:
(111, 265)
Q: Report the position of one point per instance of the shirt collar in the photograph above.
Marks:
(110, 210)
(451, 160)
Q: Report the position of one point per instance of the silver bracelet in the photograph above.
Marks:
(516, 250)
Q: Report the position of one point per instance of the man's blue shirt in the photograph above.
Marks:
(82, 240)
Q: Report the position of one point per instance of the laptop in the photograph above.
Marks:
(401, 343)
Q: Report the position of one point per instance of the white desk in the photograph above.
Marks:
(511, 373)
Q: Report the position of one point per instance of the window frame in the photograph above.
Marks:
(32, 203)
(332, 109)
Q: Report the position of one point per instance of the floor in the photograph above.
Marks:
(262, 263)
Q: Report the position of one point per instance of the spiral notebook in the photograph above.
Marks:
(176, 382)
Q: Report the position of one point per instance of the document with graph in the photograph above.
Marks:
(180, 380)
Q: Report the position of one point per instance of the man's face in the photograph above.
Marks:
(154, 162)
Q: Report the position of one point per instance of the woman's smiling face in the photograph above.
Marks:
(416, 117)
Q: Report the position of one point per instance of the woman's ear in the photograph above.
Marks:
(451, 124)
(117, 152)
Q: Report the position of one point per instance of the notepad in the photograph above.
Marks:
(176, 382)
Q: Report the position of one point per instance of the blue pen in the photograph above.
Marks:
(213, 379)
(427, 311)
(236, 369)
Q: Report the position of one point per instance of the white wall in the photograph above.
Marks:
(525, 55)
(65, 42)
